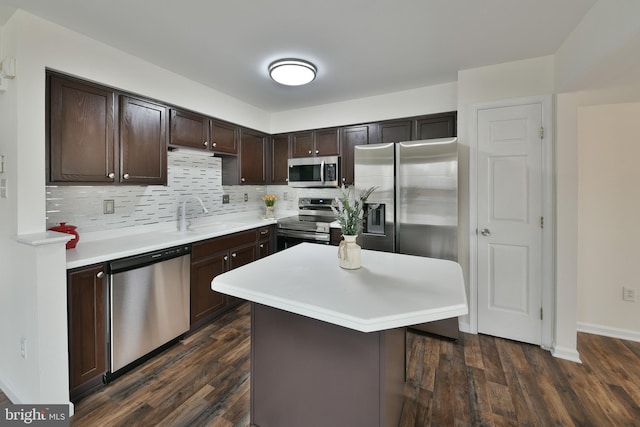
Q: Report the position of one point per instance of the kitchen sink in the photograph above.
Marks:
(206, 228)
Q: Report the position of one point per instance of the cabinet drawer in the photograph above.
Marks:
(264, 233)
(218, 244)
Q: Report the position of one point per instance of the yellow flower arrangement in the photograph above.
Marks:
(269, 199)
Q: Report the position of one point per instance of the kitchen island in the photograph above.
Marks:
(328, 344)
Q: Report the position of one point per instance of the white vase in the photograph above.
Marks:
(349, 253)
(270, 212)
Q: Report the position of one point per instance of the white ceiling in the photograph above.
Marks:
(361, 47)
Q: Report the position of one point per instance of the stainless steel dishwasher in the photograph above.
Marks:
(149, 303)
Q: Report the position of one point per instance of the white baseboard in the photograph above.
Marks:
(566, 353)
(465, 327)
(17, 401)
(608, 331)
(9, 393)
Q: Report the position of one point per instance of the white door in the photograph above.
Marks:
(509, 253)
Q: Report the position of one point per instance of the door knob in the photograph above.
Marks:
(485, 232)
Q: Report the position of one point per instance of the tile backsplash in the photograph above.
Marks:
(188, 175)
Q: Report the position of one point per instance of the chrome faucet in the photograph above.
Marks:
(183, 212)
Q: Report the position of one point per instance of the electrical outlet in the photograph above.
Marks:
(23, 347)
(109, 206)
(628, 294)
(246, 197)
(225, 199)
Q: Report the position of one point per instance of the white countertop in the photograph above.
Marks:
(389, 291)
(99, 247)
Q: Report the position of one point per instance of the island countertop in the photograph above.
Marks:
(389, 291)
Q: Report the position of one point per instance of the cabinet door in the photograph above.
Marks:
(253, 155)
(437, 126)
(87, 322)
(204, 301)
(351, 136)
(224, 137)
(264, 248)
(265, 241)
(302, 144)
(189, 129)
(279, 159)
(81, 134)
(143, 142)
(242, 255)
(327, 142)
(394, 131)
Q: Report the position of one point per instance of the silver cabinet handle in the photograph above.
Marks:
(233, 255)
(317, 151)
(226, 258)
(125, 176)
(485, 232)
(263, 232)
(242, 179)
(206, 143)
(214, 144)
(261, 246)
(309, 151)
(111, 175)
(100, 274)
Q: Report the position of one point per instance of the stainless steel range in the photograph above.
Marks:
(310, 225)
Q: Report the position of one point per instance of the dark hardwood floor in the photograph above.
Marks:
(476, 381)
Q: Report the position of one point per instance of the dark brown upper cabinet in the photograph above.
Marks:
(394, 131)
(437, 126)
(253, 157)
(224, 137)
(90, 141)
(194, 130)
(279, 159)
(350, 137)
(81, 142)
(322, 142)
(189, 129)
(143, 141)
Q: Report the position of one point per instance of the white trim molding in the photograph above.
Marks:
(565, 353)
(608, 331)
(548, 233)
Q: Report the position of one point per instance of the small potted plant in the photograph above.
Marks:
(269, 202)
(350, 213)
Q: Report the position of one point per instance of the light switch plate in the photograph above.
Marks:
(1, 163)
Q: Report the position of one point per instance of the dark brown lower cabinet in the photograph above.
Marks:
(210, 258)
(335, 236)
(266, 242)
(87, 320)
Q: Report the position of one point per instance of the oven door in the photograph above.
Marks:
(288, 238)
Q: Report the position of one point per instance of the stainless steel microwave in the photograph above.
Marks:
(314, 172)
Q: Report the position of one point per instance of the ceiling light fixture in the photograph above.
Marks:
(292, 72)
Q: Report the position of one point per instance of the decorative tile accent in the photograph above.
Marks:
(188, 175)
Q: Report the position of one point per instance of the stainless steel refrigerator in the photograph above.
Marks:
(414, 209)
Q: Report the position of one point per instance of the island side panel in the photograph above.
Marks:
(305, 372)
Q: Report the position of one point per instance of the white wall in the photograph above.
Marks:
(609, 208)
(425, 100)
